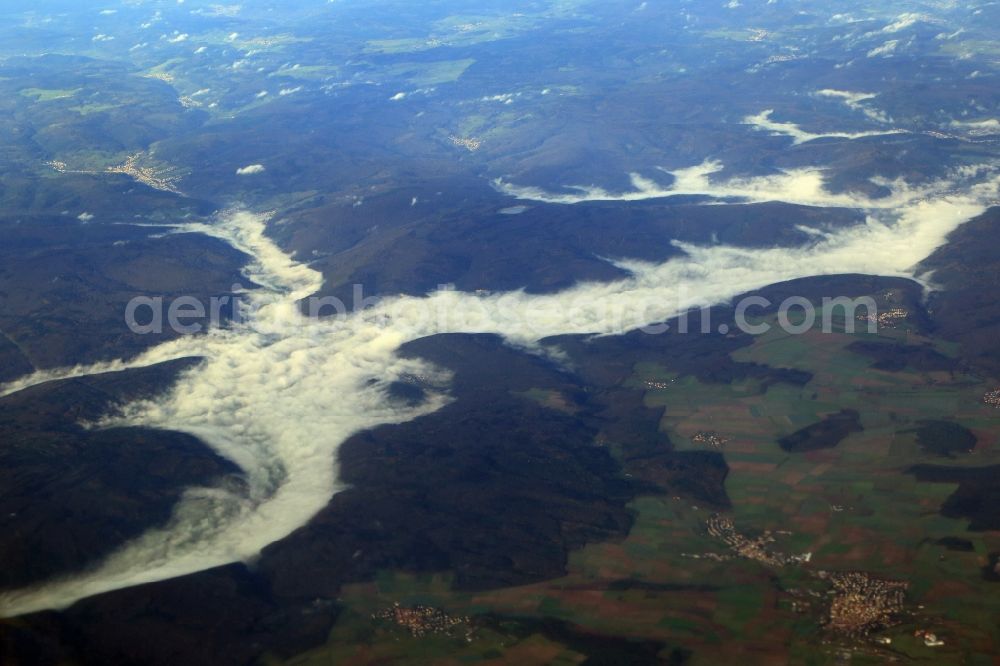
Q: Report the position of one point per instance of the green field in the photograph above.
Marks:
(851, 506)
(44, 95)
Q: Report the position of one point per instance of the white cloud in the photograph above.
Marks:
(85, 217)
(855, 101)
(250, 170)
(504, 98)
(903, 21)
(289, 91)
(176, 39)
(155, 18)
(885, 50)
(762, 121)
(279, 393)
(403, 95)
(851, 99)
(949, 35)
(979, 127)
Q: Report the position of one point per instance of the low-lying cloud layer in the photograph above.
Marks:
(986, 127)
(250, 170)
(855, 101)
(762, 121)
(279, 393)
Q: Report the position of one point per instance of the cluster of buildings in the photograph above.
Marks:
(722, 527)
(710, 438)
(189, 102)
(659, 385)
(422, 620)
(160, 76)
(470, 144)
(415, 379)
(992, 398)
(154, 178)
(859, 603)
(158, 179)
(863, 603)
(930, 640)
(887, 319)
(770, 60)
